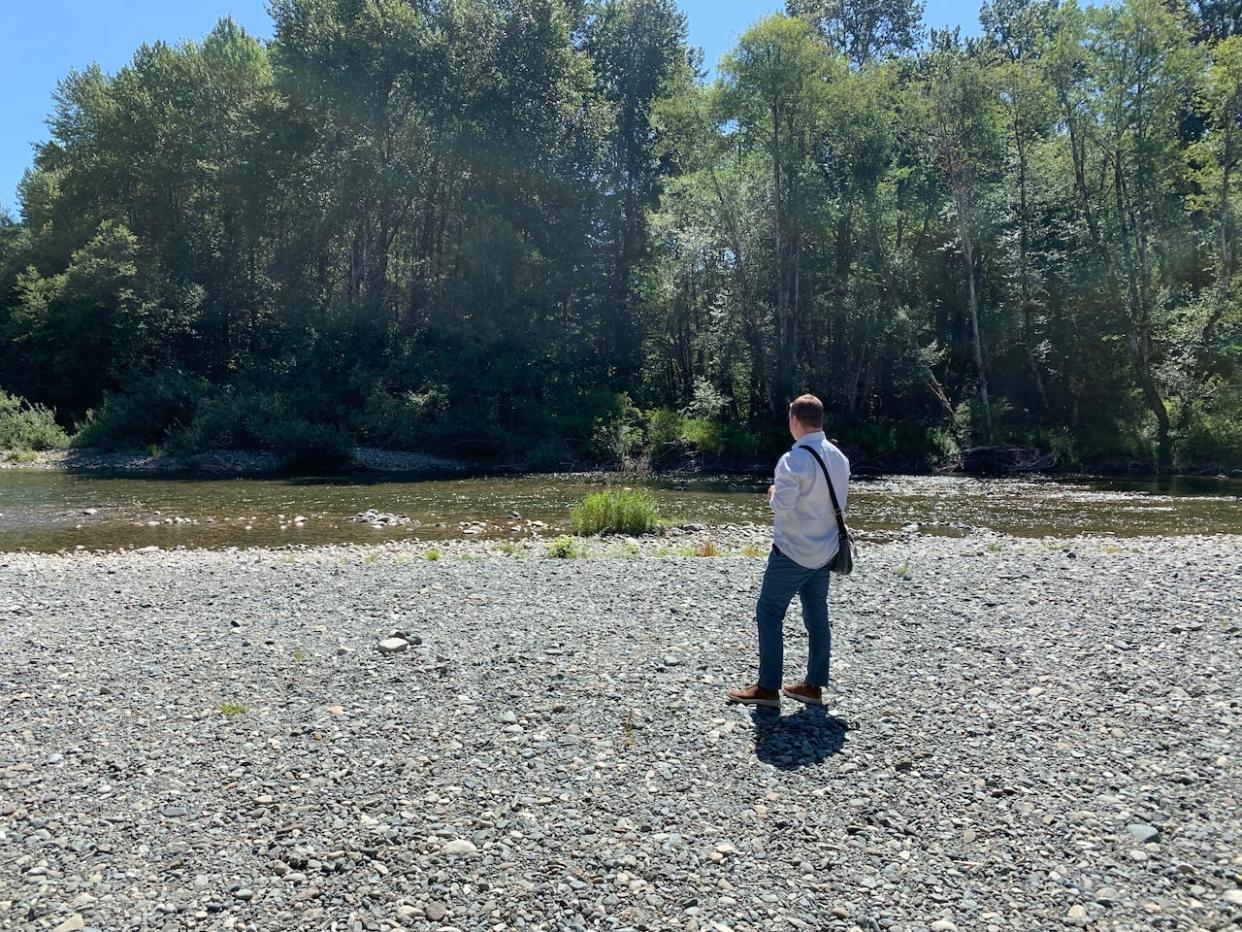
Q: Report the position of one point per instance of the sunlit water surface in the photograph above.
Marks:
(52, 511)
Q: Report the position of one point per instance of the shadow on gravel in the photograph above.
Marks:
(793, 741)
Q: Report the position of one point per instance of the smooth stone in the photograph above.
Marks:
(436, 911)
(1233, 897)
(459, 847)
(1077, 915)
(393, 645)
(74, 923)
(942, 925)
(1143, 833)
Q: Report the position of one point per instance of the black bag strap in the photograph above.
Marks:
(836, 506)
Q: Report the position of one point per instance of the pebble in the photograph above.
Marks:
(459, 847)
(436, 911)
(1143, 833)
(393, 645)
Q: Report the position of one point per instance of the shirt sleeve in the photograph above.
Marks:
(788, 487)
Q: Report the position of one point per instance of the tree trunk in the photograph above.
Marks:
(968, 256)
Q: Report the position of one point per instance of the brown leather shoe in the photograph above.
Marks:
(753, 695)
(811, 695)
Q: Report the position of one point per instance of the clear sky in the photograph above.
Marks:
(43, 41)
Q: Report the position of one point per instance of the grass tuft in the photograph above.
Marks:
(232, 708)
(433, 554)
(617, 511)
(707, 548)
(564, 548)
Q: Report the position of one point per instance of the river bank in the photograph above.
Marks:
(1024, 734)
(218, 462)
(380, 461)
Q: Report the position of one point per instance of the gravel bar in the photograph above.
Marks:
(1023, 734)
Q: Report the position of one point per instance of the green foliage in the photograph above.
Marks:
(665, 427)
(432, 554)
(617, 511)
(232, 708)
(565, 548)
(525, 231)
(143, 414)
(28, 427)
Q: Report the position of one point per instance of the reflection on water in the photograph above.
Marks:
(50, 511)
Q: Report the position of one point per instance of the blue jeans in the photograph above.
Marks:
(781, 580)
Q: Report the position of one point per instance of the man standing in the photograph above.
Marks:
(804, 544)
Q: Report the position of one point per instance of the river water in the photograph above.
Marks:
(52, 510)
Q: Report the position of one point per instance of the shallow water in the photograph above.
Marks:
(48, 510)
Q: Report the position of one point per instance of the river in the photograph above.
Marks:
(50, 511)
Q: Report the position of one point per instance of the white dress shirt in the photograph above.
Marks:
(804, 526)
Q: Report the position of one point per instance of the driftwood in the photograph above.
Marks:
(1004, 460)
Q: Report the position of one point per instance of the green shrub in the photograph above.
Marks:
(564, 548)
(405, 420)
(1211, 438)
(142, 414)
(620, 434)
(717, 439)
(664, 428)
(619, 511)
(25, 426)
(307, 447)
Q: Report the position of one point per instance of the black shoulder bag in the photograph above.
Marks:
(843, 562)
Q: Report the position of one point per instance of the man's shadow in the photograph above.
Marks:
(794, 741)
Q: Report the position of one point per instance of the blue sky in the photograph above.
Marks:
(44, 41)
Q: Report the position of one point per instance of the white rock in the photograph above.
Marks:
(393, 645)
(459, 847)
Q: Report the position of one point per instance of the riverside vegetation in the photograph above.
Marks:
(541, 212)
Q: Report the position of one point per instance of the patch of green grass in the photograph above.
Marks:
(232, 708)
(617, 511)
(996, 548)
(371, 558)
(629, 729)
(565, 548)
(904, 569)
(299, 655)
(508, 548)
(751, 550)
(433, 554)
(23, 456)
(630, 550)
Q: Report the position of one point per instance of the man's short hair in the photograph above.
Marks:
(809, 411)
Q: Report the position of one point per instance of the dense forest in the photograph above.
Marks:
(534, 230)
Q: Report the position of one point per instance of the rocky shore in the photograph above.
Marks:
(217, 462)
(1022, 735)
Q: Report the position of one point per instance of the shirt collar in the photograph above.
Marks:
(812, 438)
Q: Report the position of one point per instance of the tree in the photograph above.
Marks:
(864, 30)
(774, 87)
